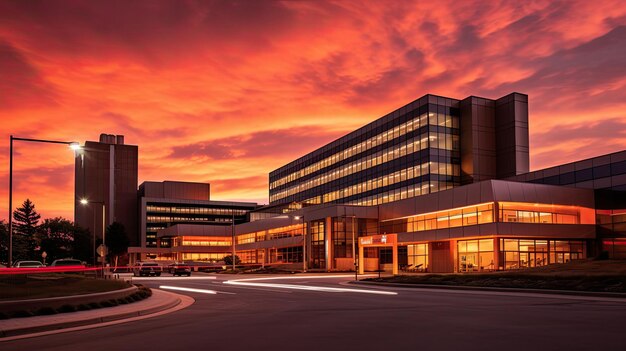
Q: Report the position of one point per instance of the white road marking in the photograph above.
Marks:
(180, 288)
(254, 282)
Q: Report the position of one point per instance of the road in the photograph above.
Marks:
(268, 317)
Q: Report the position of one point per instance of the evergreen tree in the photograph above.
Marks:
(25, 238)
(4, 243)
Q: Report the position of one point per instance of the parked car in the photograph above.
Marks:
(179, 269)
(147, 269)
(64, 262)
(28, 264)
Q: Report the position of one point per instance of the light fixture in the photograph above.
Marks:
(75, 146)
(84, 201)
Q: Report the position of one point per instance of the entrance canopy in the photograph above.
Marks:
(381, 240)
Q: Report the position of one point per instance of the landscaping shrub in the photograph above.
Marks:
(44, 311)
(20, 314)
(83, 307)
(66, 308)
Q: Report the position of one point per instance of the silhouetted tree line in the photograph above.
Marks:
(58, 237)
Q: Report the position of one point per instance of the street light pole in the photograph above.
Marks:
(72, 144)
(356, 265)
(233, 234)
(10, 263)
(304, 265)
(86, 202)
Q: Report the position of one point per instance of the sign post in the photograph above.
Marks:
(102, 251)
(44, 255)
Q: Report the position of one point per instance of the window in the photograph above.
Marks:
(475, 255)
(417, 257)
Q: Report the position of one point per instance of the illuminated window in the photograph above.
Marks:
(475, 255)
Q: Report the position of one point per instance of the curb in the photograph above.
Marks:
(87, 321)
(482, 288)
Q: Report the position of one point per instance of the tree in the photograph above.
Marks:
(82, 248)
(25, 231)
(4, 243)
(228, 260)
(61, 238)
(56, 238)
(116, 241)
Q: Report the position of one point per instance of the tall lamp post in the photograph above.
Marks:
(85, 202)
(72, 144)
(304, 265)
(233, 239)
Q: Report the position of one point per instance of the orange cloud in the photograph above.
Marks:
(225, 92)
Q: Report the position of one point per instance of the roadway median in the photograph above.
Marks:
(590, 278)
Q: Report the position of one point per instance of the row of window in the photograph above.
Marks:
(403, 193)
(391, 134)
(393, 178)
(522, 253)
(271, 234)
(166, 219)
(481, 214)
(195, 210)
(441, 141)
(211, 257)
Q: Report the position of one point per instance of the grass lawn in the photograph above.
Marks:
(34, 286)
(599, 276)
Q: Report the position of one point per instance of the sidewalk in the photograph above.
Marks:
(160, 301)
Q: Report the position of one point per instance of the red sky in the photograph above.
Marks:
(226, 91)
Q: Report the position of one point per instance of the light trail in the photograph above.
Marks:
(255, 282)
(174, 278)
(180, 288)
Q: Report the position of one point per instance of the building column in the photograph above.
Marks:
(361, 260)
(394, 249)
(328, 243)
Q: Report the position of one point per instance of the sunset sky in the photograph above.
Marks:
(227, 91)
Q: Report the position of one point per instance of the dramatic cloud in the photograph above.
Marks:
(226, 91)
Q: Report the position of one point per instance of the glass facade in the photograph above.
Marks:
(318, 247)
(538, 213)
(524, 253)
(601, 172)
(458, 217)
(163, 215)
(476, 255)
(271, 234)
(417, 257)
(410, 152)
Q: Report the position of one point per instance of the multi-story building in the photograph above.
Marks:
(432, 144)
(106, 175)
(440, 185)
(164, 204)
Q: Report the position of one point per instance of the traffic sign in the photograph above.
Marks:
(102, 250)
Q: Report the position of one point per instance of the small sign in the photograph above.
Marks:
(102, 250)
(44, 254)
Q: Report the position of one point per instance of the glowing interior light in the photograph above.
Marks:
(180, 288)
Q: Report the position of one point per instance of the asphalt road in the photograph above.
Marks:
(243, 317)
